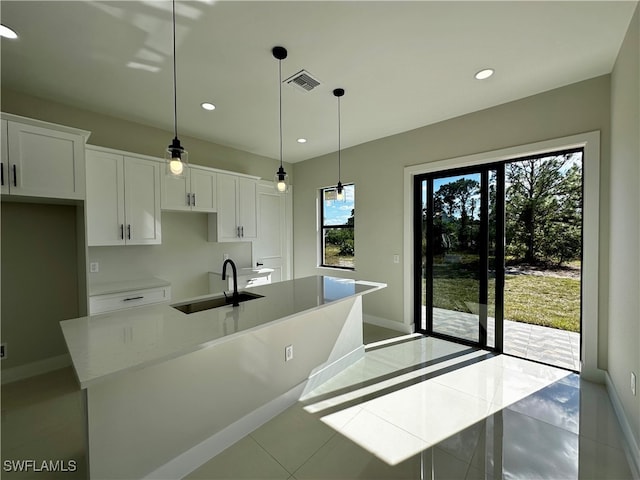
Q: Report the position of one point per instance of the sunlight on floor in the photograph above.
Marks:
(397, 415)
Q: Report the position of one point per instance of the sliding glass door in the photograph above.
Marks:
(459, 226)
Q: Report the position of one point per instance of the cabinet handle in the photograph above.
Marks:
(242, 230)
(15, 176)
(188, 199)
(133, 298)
(238, 232)
(2, 174)
(258, 264)
(129, 231)
(122, 231)
(193, 199)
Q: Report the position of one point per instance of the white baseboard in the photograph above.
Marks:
(390, 324)
(198, 455)
(329, 371)
(21, 372)
(631, 445)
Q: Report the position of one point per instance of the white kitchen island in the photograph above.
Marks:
(165, 390)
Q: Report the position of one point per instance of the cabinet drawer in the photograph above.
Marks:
(131, 298)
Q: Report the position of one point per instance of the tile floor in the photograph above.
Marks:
(413, 408)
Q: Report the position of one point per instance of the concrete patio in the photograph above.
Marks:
(543, 344)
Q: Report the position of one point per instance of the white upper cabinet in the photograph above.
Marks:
(123, 199)
(236, 219)
(41, 159)
(4, 158)
(196, 191)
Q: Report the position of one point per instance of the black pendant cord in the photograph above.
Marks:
(339, 129)
(175, 82)
(280, 101)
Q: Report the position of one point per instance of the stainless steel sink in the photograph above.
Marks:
(214, 302)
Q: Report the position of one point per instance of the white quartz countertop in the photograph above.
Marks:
(112, 343)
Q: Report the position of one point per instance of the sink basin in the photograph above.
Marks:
(214, 302)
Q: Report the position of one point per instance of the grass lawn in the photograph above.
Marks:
(548, 301)
(333, 257)
(540, 300)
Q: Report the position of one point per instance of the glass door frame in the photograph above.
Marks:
(483, 170)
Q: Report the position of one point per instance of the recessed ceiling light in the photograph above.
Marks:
(302, 140)
(6, 32)
(208, 106)
(484, 74)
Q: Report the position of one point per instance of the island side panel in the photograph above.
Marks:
(142, 419)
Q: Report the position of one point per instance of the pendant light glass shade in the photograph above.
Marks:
(280, 178)
(176, 157)
(339, 92)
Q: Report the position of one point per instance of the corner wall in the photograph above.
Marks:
(624, 212)
(377, 170)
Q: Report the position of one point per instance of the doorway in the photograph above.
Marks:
(497, 252)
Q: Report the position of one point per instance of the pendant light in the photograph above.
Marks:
(176, 156)
(339, 92)
(280, 178)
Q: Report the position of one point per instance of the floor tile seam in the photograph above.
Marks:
(365, 406)
(405, 379)
(270, 455)
(331, 437)
(454, 456)
(511, 409)
(468, 463)
(417, 437)
(556, 427)
(477, 397)
(619, 448)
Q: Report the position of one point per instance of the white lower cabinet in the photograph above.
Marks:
(123, 199)
(128, 299)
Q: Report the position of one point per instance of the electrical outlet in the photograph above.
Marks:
(288, 353)
(225, 256)
(396, 258)
(633, 383)
(94, 267)
(3, 351)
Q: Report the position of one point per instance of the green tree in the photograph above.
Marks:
(544, 208)
(455, 204)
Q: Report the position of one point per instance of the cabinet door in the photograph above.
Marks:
(4, 159)
(247, 217)
(226, 221)
(46, 163)
(105, 199)
(142, 201)
(203, 190)
(174, 192)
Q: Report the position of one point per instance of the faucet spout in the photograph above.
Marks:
(235, 279)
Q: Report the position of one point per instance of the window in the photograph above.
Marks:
(337, 223)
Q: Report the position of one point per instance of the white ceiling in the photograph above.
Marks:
(403, 65)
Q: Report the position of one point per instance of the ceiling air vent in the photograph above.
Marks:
(302, 80)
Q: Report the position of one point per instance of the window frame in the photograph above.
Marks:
(322, 228)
